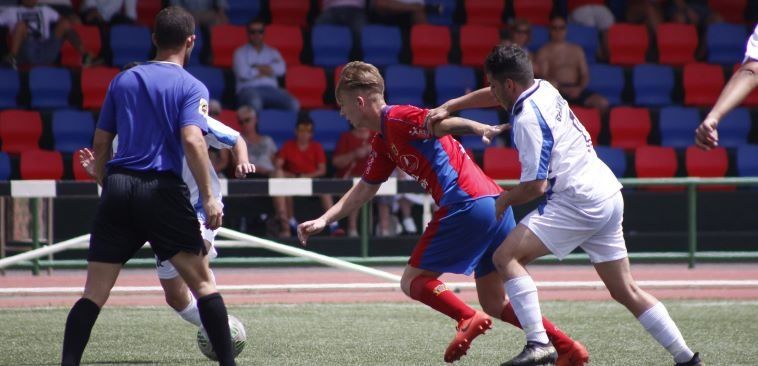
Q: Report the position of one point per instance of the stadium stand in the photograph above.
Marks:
(331, 45)
(405, 84)
(676, 126)
(452, 81)
(677, 43)
(290, 12)
(486, 116)
(586, 37)
(50, 87)
(607, 80)
(242, 11)
(225, 39)
(72, 130)
(501, 163)
(734, 128)
(5, 166)
(539, 37)
(630, 127)
(732, 11)
(9, 88)
(627, 44)
(90, 37)
(430, 45)
(702, 84)
(476, 42)
(614, 158)
(212, 77)
(655, 162)
(484, 12)
(381, 44)
(653, 85)
(535, 11)
(747, 161)
(307, 84)
(327, 127)
(130, 43)
(94, 83)
(590, 119)
(41, 164)
(725, 43)
(288, 39)
(278, 124)
(20, 130)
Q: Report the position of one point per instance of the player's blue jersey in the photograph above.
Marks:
(147, 106)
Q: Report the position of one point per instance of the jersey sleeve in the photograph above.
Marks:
(379, 167)
(220, 136)
(320, 154)
(195, 108)
(106, 121)
(534, 141)
(751, 50)
(407, 122)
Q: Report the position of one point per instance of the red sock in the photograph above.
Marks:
(560, 340)
(435, 294)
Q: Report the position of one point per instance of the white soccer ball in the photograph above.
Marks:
(239, 339)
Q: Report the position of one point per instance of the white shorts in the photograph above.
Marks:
(166, 270)
(597, 229)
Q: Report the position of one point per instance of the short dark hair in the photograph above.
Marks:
(304, 121)
(509, 62)
(256, 20)
(172, 27)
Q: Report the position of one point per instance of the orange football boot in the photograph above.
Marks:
(576, 356)
(467, 330)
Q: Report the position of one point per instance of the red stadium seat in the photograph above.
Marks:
(307, 84)
(337, 71)
(627, 44)
(476, 43)
(502, 163)
(702, 84)
(752, 98)
(80, 173)
(95, 81)
(535, 11)
(290, 12)
(90, 37)
(40, 164)
(147, 10)
(656, 162)
(630, 127)
(676, 43)
(225, 39)
(590, 119)
(430, 45)
(712, 163)
(733, 11)
(484, 12)
(573, 4)
(229, 118)
(288, 40)
(20, 130)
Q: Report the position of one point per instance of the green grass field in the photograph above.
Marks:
(375, 334)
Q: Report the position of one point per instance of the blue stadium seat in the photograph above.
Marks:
(614, 158)
(331, 45)
(72, 130)
(9, 87)
(5, 166)
(747, 160)
(452, 81)
(652, 85)
(279, 124)
(444, 18)
(242, 11)
(734, 128)
(50, 87)
(130, 43)
(725, 43)
(607, 80)
(540, 36)
(197, 50)
(677, 126)
(381, 44)
(405, 84)
(487, 116)
(327, 126)
(212, 77)
(585, 37)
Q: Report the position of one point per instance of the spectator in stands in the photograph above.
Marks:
(256, 68)
(403, 13)
(300, 158)
(649, 12)
(33, 39)
(64, 8)
(564, 65)
(220, 158)
(103, 12)
(350, 13)
(207, 13)
(597, 15)
(261, 149)
(349, 160)
(388, 224)
(520, 34)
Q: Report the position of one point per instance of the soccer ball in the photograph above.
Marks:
(239, 339)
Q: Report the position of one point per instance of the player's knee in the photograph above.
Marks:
(405, 285)
(98, 297)
(625, 294)
(177, 300)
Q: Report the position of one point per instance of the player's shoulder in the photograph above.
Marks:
(404, 112)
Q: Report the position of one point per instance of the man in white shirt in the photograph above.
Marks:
(109, 11)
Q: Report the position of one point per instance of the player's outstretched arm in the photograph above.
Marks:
(461, 126)
(103, 146)
(351, 201)
(242, 166)
(196, 152)
(481, 98)
(523, 193)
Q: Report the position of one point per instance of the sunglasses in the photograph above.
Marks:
(559, 27)
(522, 30)
(255, 31)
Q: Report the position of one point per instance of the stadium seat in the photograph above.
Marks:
(614, 158)
(590, 119)
(240, 12)
(5, 167)
(9, 88)
(290, 12)
(430, 45)
(535, 11)
(307, 84)
(452, 81)
(607, 80)
(586, 37)
(747, 161)
(732, 11)
(130, 43)
(328, 126)
(627, 44)
(484, 12)
(653, 85)
(49, 87)
(147, 10)
(702, 84)
(677, 126)
(655, 162)
(229, 118)
(405, 84)
(734, 128)
(278, 124)
(702, 163)
(446, 16)
(725, 43)
(540, 36)
(197, 50)
(381, 44)
(629, 126)
(90, 38)
(676, 43)
(486, 116)
(41, 164)
(212, 77)
(337, 71)
(225, 39)
(72, 130)
(288, 39)
(331, 45)
(80, 174)
(501, 163)
(20, 130)
(95, 81)
(476, 43)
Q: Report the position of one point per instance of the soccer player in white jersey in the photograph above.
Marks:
(742, 82)
(584, 206)
(219, 136)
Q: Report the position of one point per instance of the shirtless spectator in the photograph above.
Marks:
(564, 65)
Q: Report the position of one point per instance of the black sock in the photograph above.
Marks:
(216, 323)
(79, 324)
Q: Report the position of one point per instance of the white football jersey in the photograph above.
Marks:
(751, 49)
(554, 145)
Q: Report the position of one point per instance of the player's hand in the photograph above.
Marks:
(493, 131)
(706, 135)
(501, 204)
(242, 170)
(437, 114)
(309, 228)
(87, 161)
(213, 213)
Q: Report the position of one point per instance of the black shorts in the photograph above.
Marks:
(136, 207)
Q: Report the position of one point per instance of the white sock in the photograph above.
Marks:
(191, 314)
(523, 294)
(659, 324)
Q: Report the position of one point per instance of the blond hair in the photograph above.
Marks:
(358, 75)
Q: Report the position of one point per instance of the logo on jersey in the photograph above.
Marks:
(203, 109)
(394, 150)
(439, 289)
(409, 163)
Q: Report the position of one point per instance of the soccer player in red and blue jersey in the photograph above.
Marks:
(464, 232)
